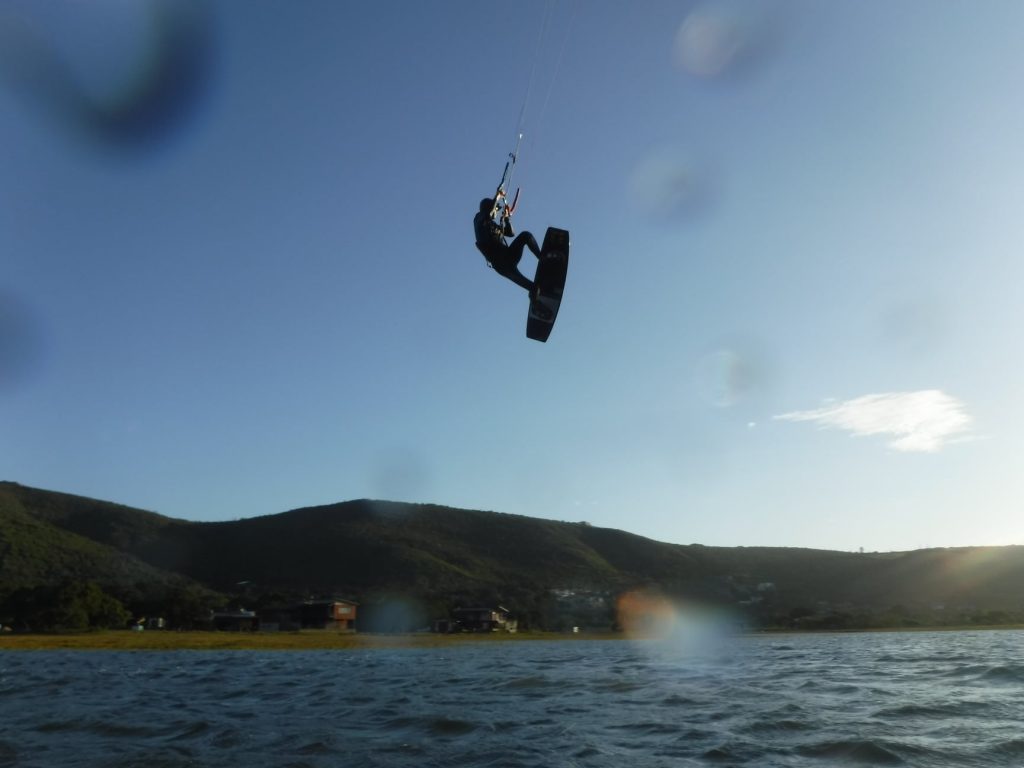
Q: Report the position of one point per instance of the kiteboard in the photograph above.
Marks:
(552, 267)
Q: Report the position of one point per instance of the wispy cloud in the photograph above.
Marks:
(922, 421)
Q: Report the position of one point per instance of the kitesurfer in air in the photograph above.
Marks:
(503, 257)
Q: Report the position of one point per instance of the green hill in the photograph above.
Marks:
(366, 549)
(37, 550)
(33, 551)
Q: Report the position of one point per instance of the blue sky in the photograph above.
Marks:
(793, 301)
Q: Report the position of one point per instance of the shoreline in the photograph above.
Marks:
(305, 640)
(326, 640)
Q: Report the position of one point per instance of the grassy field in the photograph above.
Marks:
(310, 640)
(306, 640)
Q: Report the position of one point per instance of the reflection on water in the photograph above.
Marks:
(921, 699)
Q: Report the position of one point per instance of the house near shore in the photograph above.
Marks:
(333, 613)
(478, 619)
(235, 621)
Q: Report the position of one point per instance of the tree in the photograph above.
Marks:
(70, 606)
(186, 606)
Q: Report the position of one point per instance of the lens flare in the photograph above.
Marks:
(680, 626)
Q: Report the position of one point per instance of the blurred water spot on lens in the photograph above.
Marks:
(669, 186)
(117, 74)
(682, 626)
(724, 37)
(400, 474)
(393, 613)
(21, 342)
(915, 327)
(731, 374)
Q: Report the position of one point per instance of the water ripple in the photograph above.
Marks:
(926, 700)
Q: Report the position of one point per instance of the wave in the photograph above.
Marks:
(529, 682)
(439, 726)
(867, 752)
(99, 727)
(8, 755)
(777, 726)
(936, 710)
(315, 748)
(188, 730)
(619, 686)
(675, 700)
(409, 710)
(653, 728)
(917, 658)
(1011, 748)
(448, 726)
(829, 687)
(989, 673)
(160, 759)
(1012, 673)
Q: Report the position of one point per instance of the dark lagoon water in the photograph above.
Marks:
(890, 699)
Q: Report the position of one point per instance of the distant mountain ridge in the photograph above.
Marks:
(368, 548)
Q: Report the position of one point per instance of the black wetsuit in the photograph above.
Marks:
(504, 258)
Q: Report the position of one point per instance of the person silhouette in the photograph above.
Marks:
(502, 256)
